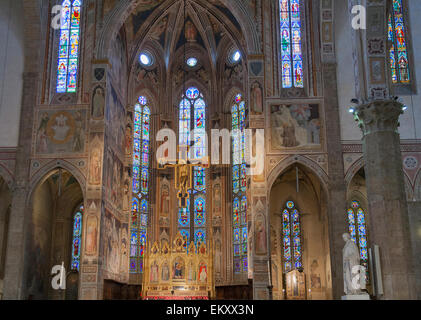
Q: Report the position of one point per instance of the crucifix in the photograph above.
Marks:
(183, 168)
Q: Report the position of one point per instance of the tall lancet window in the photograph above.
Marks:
(140, 187)
(291, 44)
(239, 185)
(68, 55)
(398, 54)
(77, 238)
(193, 117)
(291, 238)
(358, 230)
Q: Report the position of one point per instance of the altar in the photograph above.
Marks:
(179, 272)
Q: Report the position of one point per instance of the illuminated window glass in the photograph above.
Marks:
(291, 48)
(239, 185)
(140, 187)
(77, 238)
(358, 230)
(398, 54)
(291, 238)
(192, 116)
(68, 55)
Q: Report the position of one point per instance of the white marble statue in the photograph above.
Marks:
(351, 264)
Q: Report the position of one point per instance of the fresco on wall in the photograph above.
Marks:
(115, 248)
(116, 119)
(60, 131)
(118, 60)
(296, 125)
(114, 187)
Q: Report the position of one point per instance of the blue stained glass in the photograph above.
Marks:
(143, 100)
(199, 237)
(244, 235)
(140, 184)
(290, 43)
(245, 264)
(244, 248)
(291, 237)
(236, 235)
(236, 250)
(192, 93)
(199, 210)
(239, 172)
(195, 119)
(132, 265)
(68, 56)
(398, 54)
(77, 238)
(357, 229)
(237, 266)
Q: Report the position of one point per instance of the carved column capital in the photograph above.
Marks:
(379, 115)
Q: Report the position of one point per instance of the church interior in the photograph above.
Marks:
(210, 150)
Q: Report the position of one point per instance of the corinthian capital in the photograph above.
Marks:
(379, 115)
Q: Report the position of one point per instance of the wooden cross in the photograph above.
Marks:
(183, 172)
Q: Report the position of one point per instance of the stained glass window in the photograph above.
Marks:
(291, 238)
(291, 49)
(239, 184)
(192, 116)
(398, 54)
(140, 187)
(68, 55)
(358, 230)
(77, 238)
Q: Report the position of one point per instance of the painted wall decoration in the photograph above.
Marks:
(116, 120)
(256, 98)
(91, 235)
(98, 103)
(296, 125)
(114, 180)
(260, 234)
(60, 131)
(115, 236)
(118, 60)
(95, 161)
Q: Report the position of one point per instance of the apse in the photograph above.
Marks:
(54, 235)
(299, 239)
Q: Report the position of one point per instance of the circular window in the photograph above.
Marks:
(145, 59)
(192, 62)
(236, 56)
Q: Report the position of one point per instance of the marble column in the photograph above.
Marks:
(388, 210)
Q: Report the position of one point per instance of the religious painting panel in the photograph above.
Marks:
(295, 126)
(60, 132)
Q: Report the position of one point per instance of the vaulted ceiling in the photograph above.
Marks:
(170, 24)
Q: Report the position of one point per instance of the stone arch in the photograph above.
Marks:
(284, 164)
(417, 187)
(229, 98)
(7, 176)
(115, 19)
(352, 171)
(312, 204)
(134, 66)
(49, 231)
(44, 173)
